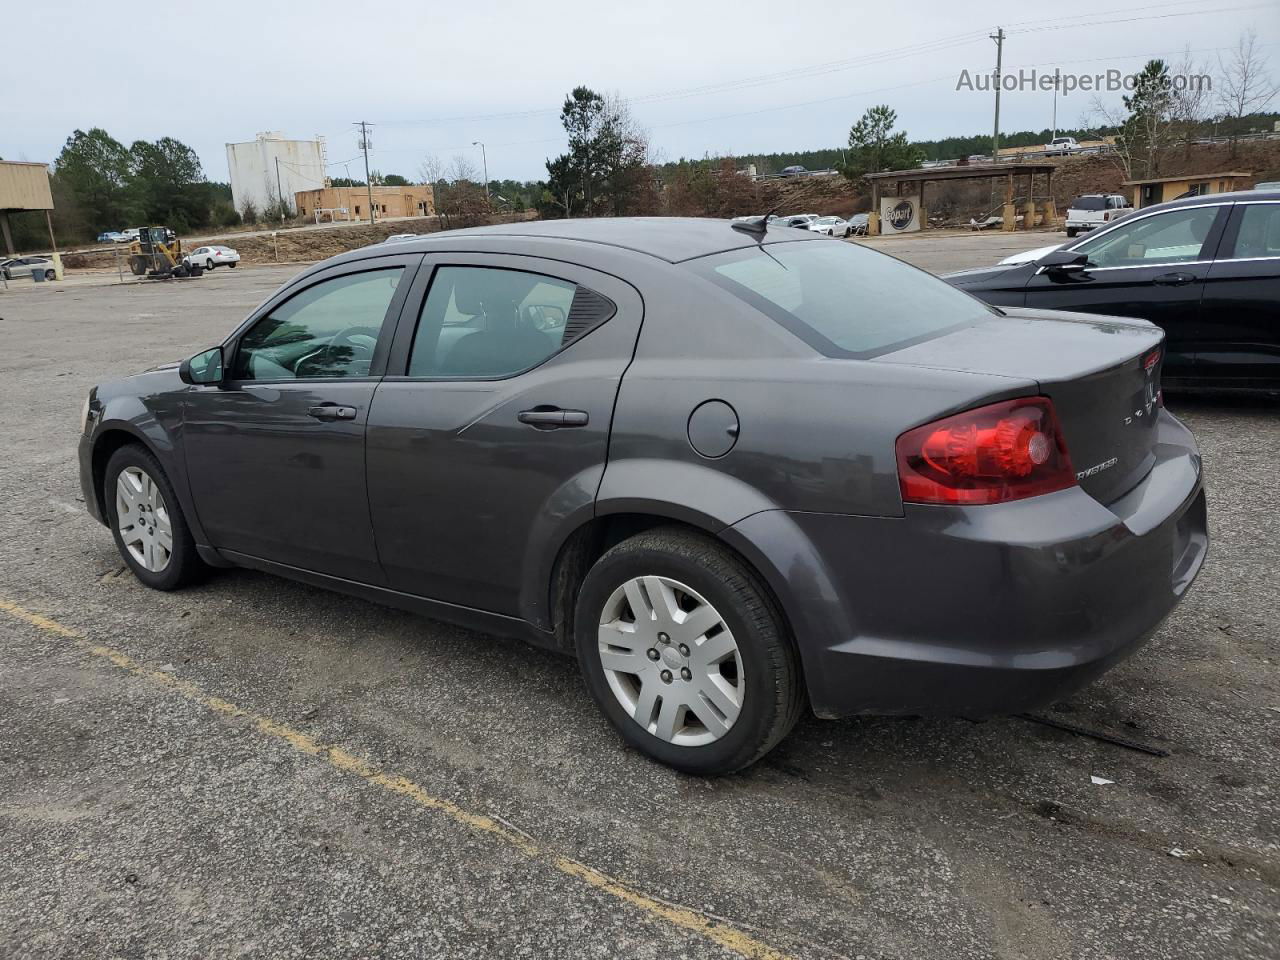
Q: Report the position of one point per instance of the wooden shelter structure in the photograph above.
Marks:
(891, 183)
(24, 186)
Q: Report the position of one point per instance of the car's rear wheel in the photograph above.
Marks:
(50, 275)
(686, 653)
(232, 264)
(146, 521)
(208, 264)
(1071, 232)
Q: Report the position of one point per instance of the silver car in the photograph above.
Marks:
(25, 266)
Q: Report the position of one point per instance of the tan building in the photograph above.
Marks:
(417, 200)
(1144, 193)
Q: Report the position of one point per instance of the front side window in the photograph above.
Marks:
(484, 322)
(1259, 233)
(1172, 237)
(328, 330)
(842, 299)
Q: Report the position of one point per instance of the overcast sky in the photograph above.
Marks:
(704, 78)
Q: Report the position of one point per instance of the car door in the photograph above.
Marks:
(275, 454)
(489, 433)
(1239, 335)
(1150, 266)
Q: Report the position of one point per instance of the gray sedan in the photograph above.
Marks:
(736, 470)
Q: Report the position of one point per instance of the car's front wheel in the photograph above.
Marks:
(50, 275)
(147, 522)
(686, 653)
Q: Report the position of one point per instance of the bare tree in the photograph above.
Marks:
(1190, 105)
(462, 170)
(1145, 125)
(431, 170)
(1246, 84)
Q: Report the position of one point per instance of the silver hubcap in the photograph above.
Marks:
(143, 519)
(671, 661)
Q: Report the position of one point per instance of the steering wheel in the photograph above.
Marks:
(358, 341)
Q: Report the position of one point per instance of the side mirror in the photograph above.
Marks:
(202, 369)
(1063, 260)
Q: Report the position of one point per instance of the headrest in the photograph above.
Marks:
(468, 294)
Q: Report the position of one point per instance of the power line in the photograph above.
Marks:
(864, 60)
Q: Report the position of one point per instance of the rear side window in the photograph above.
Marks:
(1089, 203)
(1259, 233)
(842, 299)
(487, 323)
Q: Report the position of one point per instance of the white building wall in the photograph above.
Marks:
(252, 167)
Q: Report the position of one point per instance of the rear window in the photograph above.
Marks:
(842, 299)
(1090, 203)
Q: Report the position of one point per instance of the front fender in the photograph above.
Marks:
(155, 421)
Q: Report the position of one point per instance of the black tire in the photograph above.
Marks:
(208, 264)
(773, 695)
(50, 275)
(138, 266)
(185, 565)
(1071, 232)
(232, 264)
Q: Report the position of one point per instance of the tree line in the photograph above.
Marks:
(99, 184)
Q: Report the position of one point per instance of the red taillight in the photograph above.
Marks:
(1003, 451)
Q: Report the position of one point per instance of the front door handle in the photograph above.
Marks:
(552, 418)
(1175, 279)
(331, 411)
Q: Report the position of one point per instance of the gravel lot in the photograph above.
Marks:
(256, 768)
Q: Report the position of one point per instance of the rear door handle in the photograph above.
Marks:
(552, 418)
(1175, 279)
(331, 411)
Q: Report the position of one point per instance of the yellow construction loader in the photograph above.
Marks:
(157, 254)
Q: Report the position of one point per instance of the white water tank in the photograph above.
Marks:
(253, 169)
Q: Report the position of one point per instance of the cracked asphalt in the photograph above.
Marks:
(255, 768)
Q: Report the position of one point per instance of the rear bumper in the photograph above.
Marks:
(995, 609)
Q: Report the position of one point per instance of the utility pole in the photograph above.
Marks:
(1057, 79)
(279, 192)
(485, 163)
(364, 145)
(998, 37)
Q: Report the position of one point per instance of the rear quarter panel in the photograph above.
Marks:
(815, 433)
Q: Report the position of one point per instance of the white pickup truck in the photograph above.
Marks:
(1094, 210)
(1062, 147)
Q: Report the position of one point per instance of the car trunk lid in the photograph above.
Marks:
(1102, 374)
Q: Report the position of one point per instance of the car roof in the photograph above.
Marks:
(667, 238)
(1235, 196)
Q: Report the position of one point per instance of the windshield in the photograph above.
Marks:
(842, 299)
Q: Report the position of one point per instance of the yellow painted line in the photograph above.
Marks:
(715, 930)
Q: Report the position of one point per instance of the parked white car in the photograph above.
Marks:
(1095, 210)
(25, 266)
(211, 256)
(831, 226)
(1061, 146)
